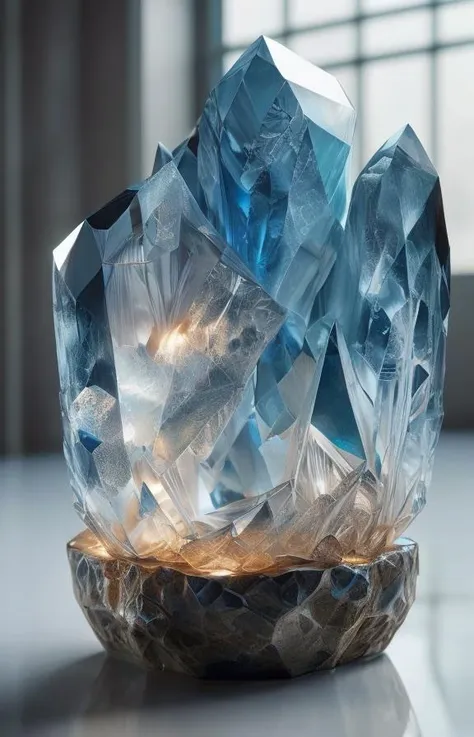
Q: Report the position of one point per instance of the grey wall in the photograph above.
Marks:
(459, 393)
(167, 89)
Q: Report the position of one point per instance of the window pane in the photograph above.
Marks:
(305, 12)
(396, 33)
(396, 92)
(456, 152)
(245, 20)
(456, 22)
(326, 46)
(375, 5)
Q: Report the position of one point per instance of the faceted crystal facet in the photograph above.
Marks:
(247, 377)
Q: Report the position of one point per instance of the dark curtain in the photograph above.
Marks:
(70, 140)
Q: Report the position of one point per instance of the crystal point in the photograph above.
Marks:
(272, 162)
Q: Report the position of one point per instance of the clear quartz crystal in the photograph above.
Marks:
(250, 374)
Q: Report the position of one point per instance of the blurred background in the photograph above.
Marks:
(88, 88)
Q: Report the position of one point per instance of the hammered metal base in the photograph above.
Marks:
(246, 626)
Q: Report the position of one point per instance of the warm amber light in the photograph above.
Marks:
(172, 341)
(166, 343)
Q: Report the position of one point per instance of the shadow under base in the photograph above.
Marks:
(243, 626)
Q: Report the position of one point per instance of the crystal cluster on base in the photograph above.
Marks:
(251, 355)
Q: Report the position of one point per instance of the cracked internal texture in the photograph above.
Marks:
(247, 373)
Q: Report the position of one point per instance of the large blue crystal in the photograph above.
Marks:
(270, 160)
(245, 373)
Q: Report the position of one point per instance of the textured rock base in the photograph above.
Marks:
(248, 626)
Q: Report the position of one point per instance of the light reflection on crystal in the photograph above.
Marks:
(245, 375)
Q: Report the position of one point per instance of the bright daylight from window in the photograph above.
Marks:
(399, 61)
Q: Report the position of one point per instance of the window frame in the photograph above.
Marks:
(218, 49)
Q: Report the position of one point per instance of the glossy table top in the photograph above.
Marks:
(55, 680)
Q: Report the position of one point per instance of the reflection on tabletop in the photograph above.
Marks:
(102, 696)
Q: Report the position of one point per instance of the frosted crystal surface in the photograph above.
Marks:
(248, 370)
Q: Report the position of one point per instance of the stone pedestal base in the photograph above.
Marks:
(243, 626)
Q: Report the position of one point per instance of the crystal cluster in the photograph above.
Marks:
(251, 369)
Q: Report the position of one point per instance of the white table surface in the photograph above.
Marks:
(55, 680)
